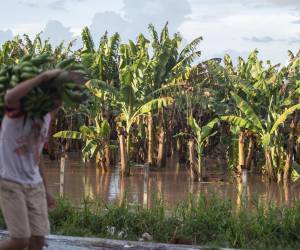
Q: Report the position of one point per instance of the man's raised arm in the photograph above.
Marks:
(13, 96)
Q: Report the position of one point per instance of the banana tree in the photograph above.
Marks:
(128, 101)
(11, 51)
(102, 62)
(14, 50)
(201, 136)
(129, 106)
(259, 85)
(96, 139)
(266, 129)
(292, 72)
(122, 88)
(243, 80)
(166, 70)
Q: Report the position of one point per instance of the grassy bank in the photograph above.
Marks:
(212, 222)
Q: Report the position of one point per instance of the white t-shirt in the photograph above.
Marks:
(21, 144)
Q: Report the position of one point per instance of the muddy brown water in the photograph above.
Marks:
(171, 184)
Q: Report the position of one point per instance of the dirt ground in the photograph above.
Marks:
(55, 242)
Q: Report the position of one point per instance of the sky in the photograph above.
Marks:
(235, 27)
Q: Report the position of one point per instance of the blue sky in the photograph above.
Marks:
(235, 27)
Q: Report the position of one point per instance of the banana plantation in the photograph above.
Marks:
(151, 98)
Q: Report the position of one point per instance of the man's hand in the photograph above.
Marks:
(50, 74)
(50, 201)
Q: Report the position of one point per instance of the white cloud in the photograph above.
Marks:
(29, 28)
(76, 30)
(141, 13)
(57, 32)
(284, 2)
(294, 41)
(57, 5)
(229, 31)
(111, 22)
(30, 4)
(5, 35)
(138, 15)
(264, 39)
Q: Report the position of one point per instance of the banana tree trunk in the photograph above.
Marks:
(286, 191)
(161, 157)
(107, 156)
(123, 154)
(150, 140)
(192, 161)
(98, 160)
(128, 145)
(170, 132)
(289, 157)
(201, 170)
(161, 148)
(103, 158)
(291, 143)
(241, 163)
(181, 151)
(288, 161)
(62, 170)
(250, 152)
(269, 164)
(62, 174)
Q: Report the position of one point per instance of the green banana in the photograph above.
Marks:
(43, 59)
(65, 63)
(14, 79)
(4, 80)
(26, 58)
(30, 70)
(25, 76)
(67, 99)
(25, 64)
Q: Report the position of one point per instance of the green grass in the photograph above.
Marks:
(204, 221)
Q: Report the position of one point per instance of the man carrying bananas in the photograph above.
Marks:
(24, 198)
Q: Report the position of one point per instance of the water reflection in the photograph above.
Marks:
(171, 184)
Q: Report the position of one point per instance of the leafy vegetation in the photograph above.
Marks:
(197, 220)
(143, 93)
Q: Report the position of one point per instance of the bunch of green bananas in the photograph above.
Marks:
(73, 93)
(69, 86)
(5, 74)
(39, 102)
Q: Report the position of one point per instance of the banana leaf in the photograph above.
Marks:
(247, 110)
(68, 135)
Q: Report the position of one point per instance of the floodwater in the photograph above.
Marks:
(171, 184)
